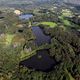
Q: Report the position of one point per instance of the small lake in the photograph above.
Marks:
(41, 38)
(42, 60)
(25, 16)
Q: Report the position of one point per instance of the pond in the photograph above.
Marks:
(41, 38)
(25, 16)
(42, 60)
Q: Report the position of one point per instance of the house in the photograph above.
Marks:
(17, 12)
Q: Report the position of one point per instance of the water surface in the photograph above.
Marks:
(42, 60)
(25, 16)
(41, 38)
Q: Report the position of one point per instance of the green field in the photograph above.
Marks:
(51, 24)
(6, 39)
(65, 21)
(9, 39)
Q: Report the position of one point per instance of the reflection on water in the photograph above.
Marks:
(25, 16)
(41, 38)
(41, 61)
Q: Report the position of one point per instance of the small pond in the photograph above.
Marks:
(25, 16)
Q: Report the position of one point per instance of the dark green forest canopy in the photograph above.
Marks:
(64, 47)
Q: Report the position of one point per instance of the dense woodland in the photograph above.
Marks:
(16, 36)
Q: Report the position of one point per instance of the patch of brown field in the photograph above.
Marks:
(18, 39)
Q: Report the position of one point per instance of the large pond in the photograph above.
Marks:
(42, 60)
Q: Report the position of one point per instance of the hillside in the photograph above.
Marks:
(77, 2)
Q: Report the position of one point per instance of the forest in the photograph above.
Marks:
(40, 44)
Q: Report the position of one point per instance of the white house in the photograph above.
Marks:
(17, 12)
